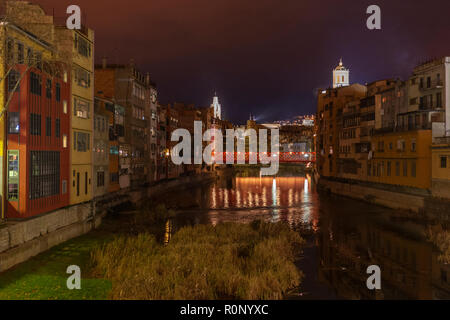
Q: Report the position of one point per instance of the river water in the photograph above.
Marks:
(343, 236)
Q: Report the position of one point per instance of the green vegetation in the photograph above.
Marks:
(234, 261)
(122, 260)
(44, 276)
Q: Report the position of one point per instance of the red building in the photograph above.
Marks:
(38, 127)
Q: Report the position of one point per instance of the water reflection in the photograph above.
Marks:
(345, 236)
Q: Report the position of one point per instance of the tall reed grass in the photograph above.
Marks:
(227, 261)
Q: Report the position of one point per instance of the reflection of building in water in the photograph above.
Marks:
(260, 192)
(441, 278)
(168, 231)
(405, 263)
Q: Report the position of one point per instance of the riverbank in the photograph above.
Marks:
(417, 202)
(22, 239)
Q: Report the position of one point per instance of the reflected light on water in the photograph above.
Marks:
(274, 192)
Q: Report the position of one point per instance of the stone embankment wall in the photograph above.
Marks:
(420, 202)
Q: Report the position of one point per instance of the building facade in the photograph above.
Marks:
(36, 106)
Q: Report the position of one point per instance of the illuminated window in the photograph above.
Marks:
(65, 106)
(13, 122)
(64, 140)
(45, 174)
(13, 175)
(81, 109)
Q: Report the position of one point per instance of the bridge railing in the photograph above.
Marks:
(305, 157)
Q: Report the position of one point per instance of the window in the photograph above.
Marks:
(57, 128)
(38, 60)
(81, 109)
(388, 169)
(114, 177)
(82, 77)
(114, 150)
(45, 174)
(35, 84)
(13, 122)
(413, 145)
(78, 184)
(369, 169)
(64, 140)
(397, 168)
(81, 141)
(29, 56)
(428, 82)
(100, 178)
(48, 126)
(65, 107)
(405, 168)
(48, 89)
(83, 46)
(64, 186)
(443, 162)
(439, 100)
(401, 145)
(58, 92)
(413, 169)
(10, 50)
(13, 79)
(35, 124)
(85, 183)
(13, 175)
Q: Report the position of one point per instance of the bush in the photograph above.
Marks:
(228, 261)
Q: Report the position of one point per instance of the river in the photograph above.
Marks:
(343, 236)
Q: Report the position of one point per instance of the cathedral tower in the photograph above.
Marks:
(341, 76)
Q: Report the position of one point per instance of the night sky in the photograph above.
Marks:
(265, 57)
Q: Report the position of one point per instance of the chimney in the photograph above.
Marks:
(104, 62)
(147, 78)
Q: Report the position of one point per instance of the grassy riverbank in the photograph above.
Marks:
(233, 261)
(44, 276)
(123, 261)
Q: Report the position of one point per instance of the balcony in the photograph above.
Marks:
(441, 140)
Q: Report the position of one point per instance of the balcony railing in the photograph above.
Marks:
(442, 140)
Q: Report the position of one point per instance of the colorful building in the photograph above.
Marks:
(77, 47)
(106, 149)
(137, 94)
(401, 158)
(441, 168)
(36, 136)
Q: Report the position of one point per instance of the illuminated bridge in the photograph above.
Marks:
(284, 157)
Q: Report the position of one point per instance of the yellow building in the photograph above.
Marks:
(330, 106)
(401, 158)
(78, 47)
(441, 168)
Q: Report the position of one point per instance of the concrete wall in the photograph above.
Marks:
(387, 198)
(22, 240)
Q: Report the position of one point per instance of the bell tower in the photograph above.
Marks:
(341, 76)
(217, 107)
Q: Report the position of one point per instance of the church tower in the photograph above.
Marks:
(217, 107)
(341, 76)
